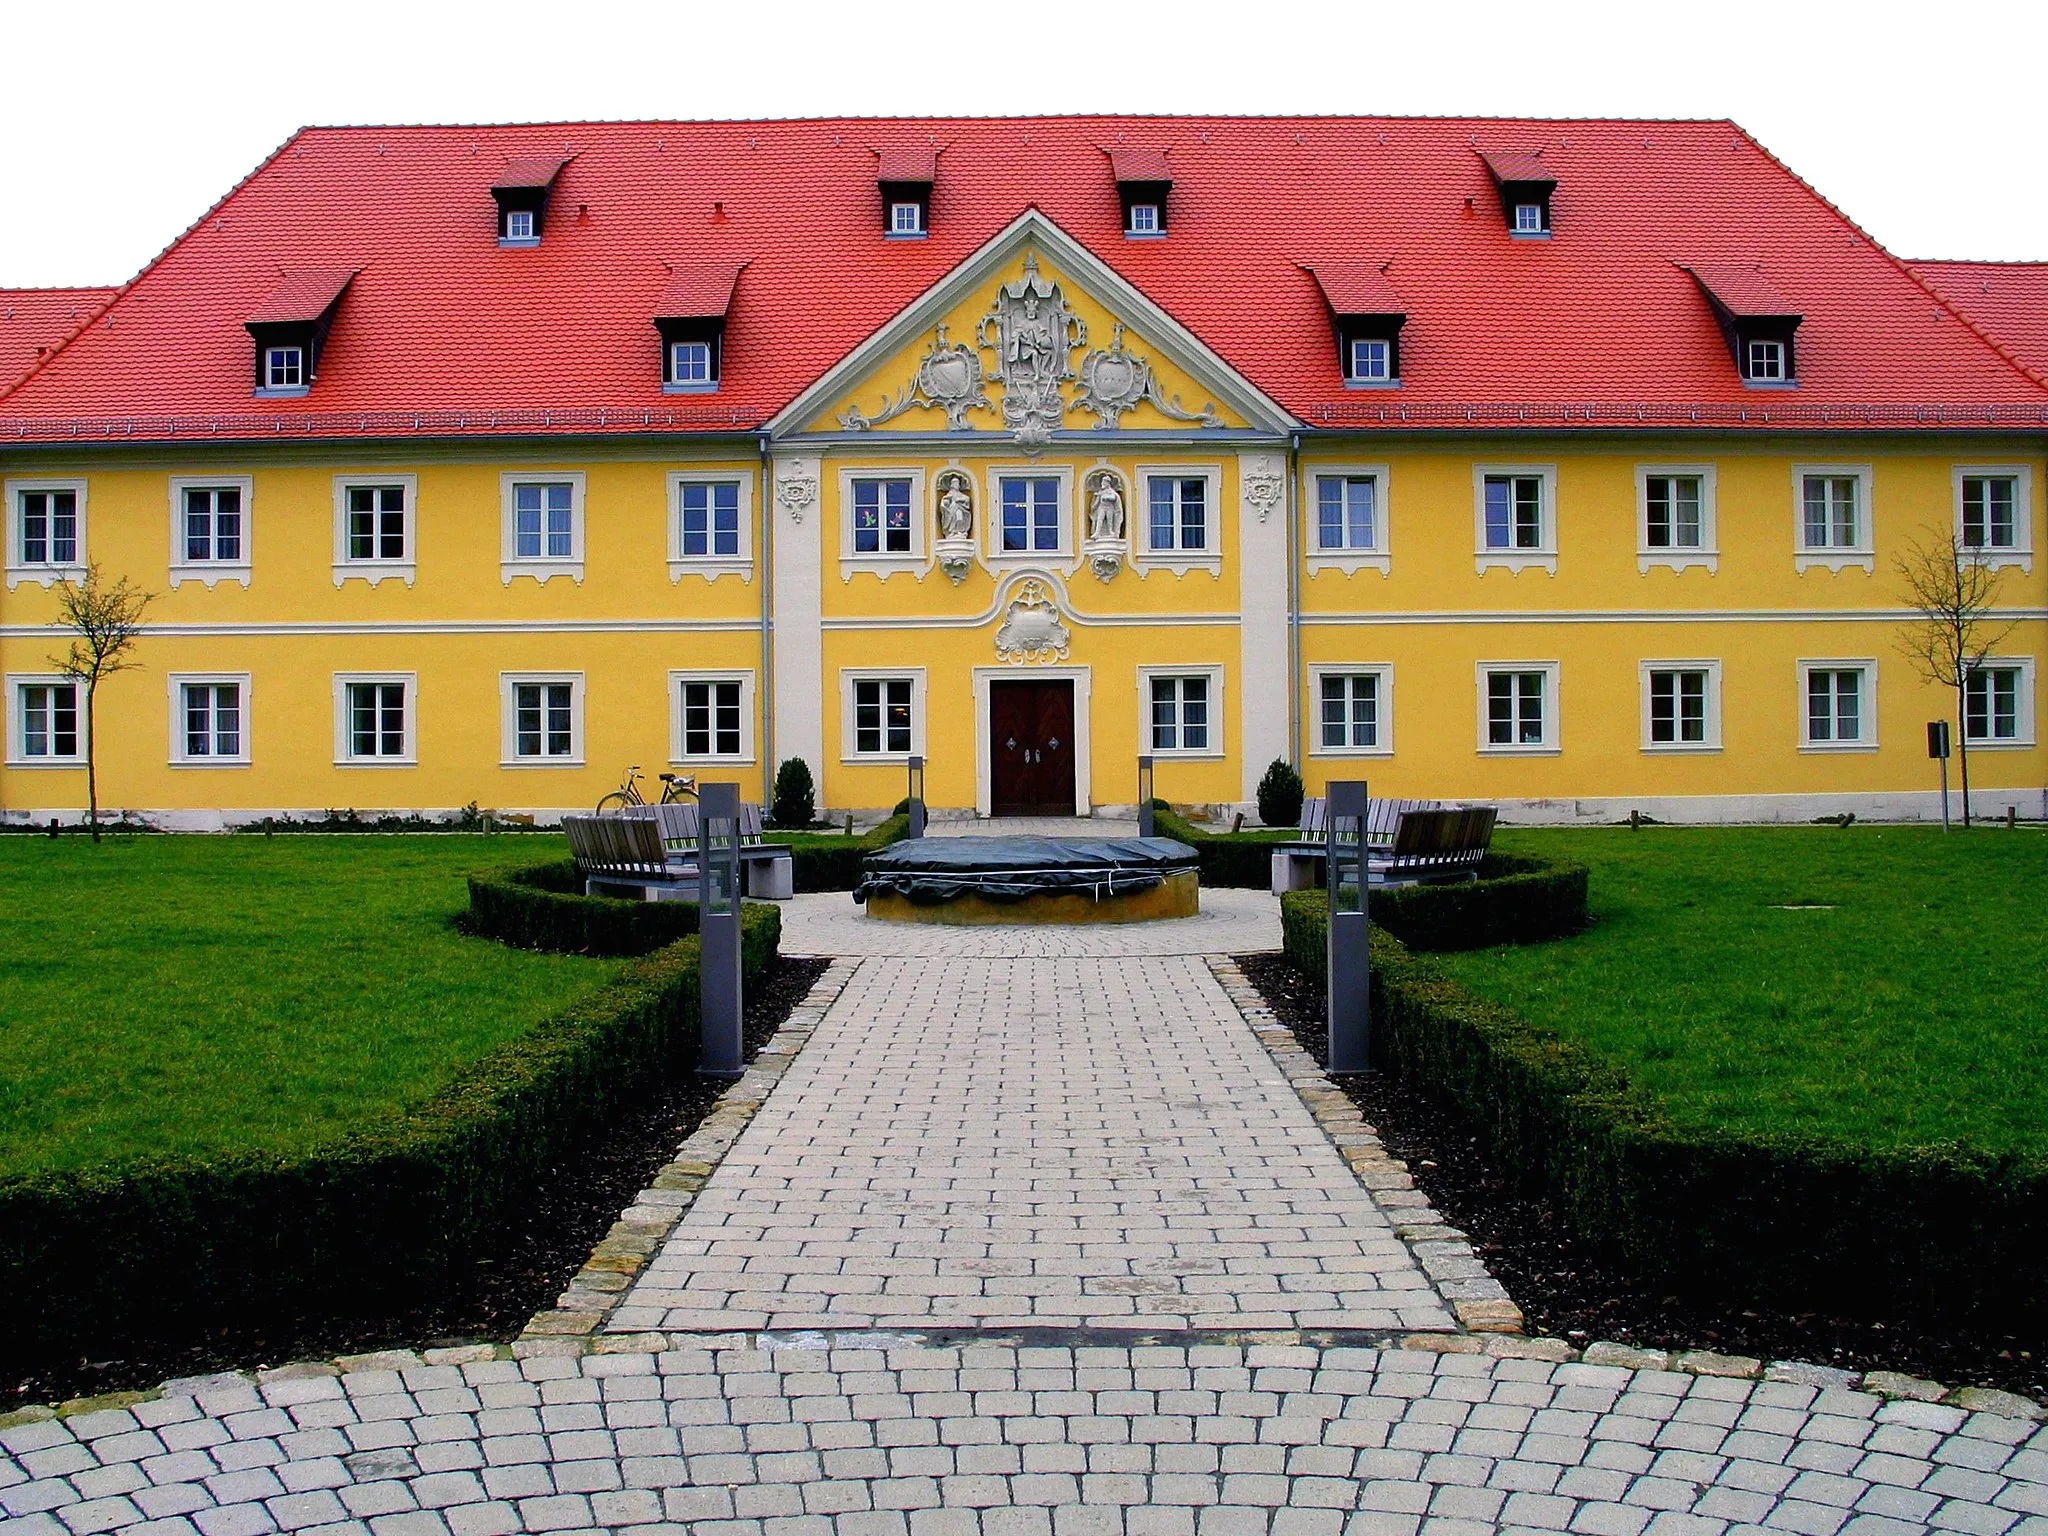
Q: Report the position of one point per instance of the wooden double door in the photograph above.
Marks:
(1031, 747)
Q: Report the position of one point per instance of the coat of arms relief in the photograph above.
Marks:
(1030, 335)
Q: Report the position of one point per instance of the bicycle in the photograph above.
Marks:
(675, 787)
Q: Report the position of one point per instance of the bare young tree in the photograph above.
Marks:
(1953, 589)
(105, 622)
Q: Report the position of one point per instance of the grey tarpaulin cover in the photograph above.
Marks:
(934, 869)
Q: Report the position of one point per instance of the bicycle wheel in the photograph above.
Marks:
(677, 790)
(617, 800)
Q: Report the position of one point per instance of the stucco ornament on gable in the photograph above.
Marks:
(1032, 630)
(1034, 336)
(948, 379)
(1116, 381)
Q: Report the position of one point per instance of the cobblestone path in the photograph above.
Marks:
(1047, 1246)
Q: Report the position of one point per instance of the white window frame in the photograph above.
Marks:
(508, 720)
(1783, 376)
(542, 568)
(16, 756)
(1707, 556)
(2022, 475)
(211, 572)
(1218, 715)
(1545, 553)
(678, 758)
(1549, 745)
(529, 235)
(47, 573)
(992, 515)
(677, 384)
(1152, 231)
(711, 567)
(1863, 553)
(343, 758)
(1867, 704)
(176, 684)
(897, 227)
(1138, 519)
(269, 391)
(1382, 670)
(882, 564)
(375, 570)
(1712, 723)
(2024, 665)
(1349, 561)
(848, 676)
(1540, 226)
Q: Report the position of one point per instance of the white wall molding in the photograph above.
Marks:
(799, 642)
(1263, 688)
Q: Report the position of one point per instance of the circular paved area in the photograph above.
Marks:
(1230, 923)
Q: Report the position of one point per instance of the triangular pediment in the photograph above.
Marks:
(1031, 337)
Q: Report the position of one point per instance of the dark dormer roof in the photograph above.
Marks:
(1742, 292)
(1358, 290)
(916, 167)
(1141, 167)
(1520, 168)
(698, 291)
(530, 173)
(302, 298)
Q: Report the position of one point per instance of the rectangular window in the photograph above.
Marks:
(1178, 513)
(376, 720)
(544, 720)
(1031, 514)
(710, 514)
(690, 363)
(1678, 707)
(212, 528)
(1372, 359)
(1834, 705)
(1350, 710)
(1831, 518)
(544, 525)
(49, 528)
(49, 721)
(1671, 512)
(1144, 219)
(881, 517)
(712, 719)
(376, 522)
(1347, 512)
(906, 218)
(1992, 697)
(1180, 714)
(1514, 512)
(1528, 218)
(284, 367)
(881, 716)
(1515, 709)
(1764, 361)
(519, 224)
(1990, 519)
(212, 719)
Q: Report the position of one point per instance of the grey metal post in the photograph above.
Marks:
(1348, 979)
(1144, 796)
(718, 929)
(916, 786)
(1937, 748)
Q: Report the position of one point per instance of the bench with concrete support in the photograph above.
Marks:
(767, 870)
(1407, 842)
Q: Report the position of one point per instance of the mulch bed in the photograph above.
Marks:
(569, 1214)
(1566, 1291)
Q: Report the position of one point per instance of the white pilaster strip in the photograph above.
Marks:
(799, 509)
(1262, 591)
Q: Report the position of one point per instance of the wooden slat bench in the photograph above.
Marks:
(1434, 849)
(617, 855)
(767, 870)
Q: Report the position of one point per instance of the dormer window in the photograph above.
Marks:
(1367, 315)
(290, 327)
(1758, 324)
(522, 198)
(904, 177)
(1143, 181)
(691, 321)
(1525, 185)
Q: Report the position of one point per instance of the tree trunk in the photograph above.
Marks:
(1963, 744)
(92, 767)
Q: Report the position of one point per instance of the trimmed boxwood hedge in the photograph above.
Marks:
(1240, 861)
(543, 907)
(1947, 1235)
(397, 1212)
(834, 863)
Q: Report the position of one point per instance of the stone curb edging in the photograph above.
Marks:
(1479, 1302)
(644, 1226)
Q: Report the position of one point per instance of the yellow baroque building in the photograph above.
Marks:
(1489, 461)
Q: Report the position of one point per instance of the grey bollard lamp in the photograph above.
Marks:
(1145, 796)
(718, 929)
(916, 796)
(1348, 979)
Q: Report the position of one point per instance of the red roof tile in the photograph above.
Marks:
(302, 297)
(1518, 165)
(524, 172)
(697, 292)
(445, 331)
(1743, 291)
(908, 165)
(2006, 299)
(1144, 165)
(1357, 288)
(33, 320)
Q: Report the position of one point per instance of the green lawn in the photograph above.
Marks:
(1904, 1007)
(186, 994)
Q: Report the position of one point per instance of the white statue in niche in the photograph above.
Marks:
(956, 506)
(1105, 507)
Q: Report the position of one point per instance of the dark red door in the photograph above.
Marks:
(1031, 748)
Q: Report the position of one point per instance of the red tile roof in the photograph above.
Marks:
(33, 320)
(444, 331)
(1357, 288)
(908, 165)
(1518, 165)
(302, 297)
(2006, 299)
(698, 292)
(1141, 165)
(1743, 291)
(525, 172)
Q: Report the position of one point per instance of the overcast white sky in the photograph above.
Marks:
(123, 122)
